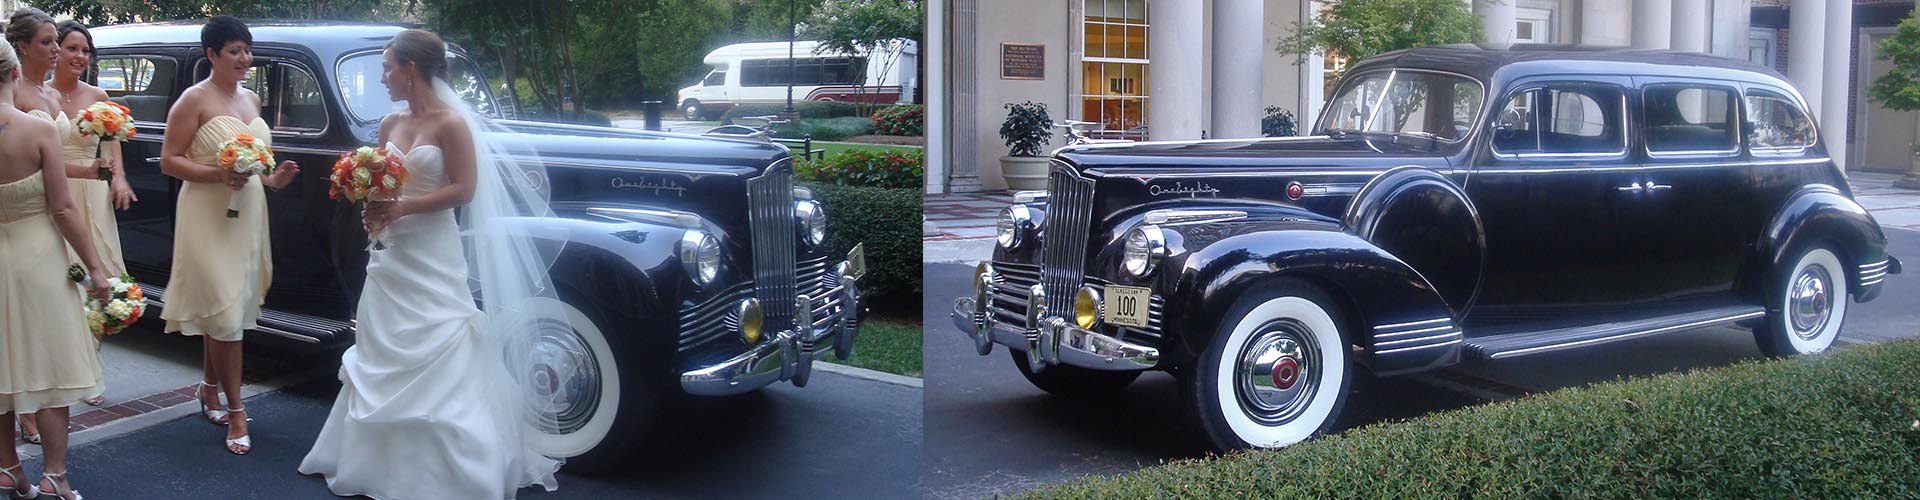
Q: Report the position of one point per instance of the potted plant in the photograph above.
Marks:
(1025, 131)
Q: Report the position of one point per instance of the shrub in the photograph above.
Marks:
(824, 129)
(806, 109)
(1837, 425)
(1026, 128)
(904, 119)
(1277, 123)
(887, 222)
(861, 167)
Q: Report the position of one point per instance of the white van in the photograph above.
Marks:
(753, 73)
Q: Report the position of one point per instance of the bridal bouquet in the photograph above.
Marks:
(367, 174)
(122, 309)
(109, 121)
(244, 155)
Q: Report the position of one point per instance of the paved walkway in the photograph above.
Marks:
(960, 227)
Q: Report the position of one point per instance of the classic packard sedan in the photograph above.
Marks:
(691, 266)
(1455, 202)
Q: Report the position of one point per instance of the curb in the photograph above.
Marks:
(128, 425)
(865, 374)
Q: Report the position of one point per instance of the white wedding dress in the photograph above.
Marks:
(419, 415)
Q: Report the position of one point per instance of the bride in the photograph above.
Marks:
(430, 405)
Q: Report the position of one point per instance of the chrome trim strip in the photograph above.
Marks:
(311, 151)
(287, 334)
(1627, 335)
(685, 220)
(1428, 346)
(1175, 217)
(1637, 168)
(1422, 331)
(1254, 172)
(1395, 326)
(1429, 338)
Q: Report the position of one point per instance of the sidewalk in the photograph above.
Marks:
(960, 227)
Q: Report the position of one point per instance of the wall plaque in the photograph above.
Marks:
(1023, 61)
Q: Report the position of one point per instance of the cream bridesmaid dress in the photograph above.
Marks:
(221, 266)
(93, 196)
(46, 352)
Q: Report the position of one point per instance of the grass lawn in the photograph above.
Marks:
(886, 345)
(1843, 424)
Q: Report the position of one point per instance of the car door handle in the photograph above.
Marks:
(1647, 186)
(153, 159)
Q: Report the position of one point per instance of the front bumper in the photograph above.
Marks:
(830, 320)
(1050, 341)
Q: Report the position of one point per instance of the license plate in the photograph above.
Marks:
(857, 261)
(1127, 305)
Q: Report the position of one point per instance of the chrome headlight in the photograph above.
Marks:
(813, 222)
(1014, 224)
(700, 253)
(1145, 246)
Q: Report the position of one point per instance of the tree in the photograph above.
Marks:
(1358, 29)
(872, 27)
(1899, 89)
(673, 37)
(768, 20)
(103, 12)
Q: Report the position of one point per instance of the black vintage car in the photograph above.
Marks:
(1455, 202)
(691, 265)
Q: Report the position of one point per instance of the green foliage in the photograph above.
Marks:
(824, 129)
(1277, 123)
(1838, 425)
(887, 346)
(887, 222)
(807, 109)
(1359, 29)
(903, 119)
(1026, 128)
(1899, 89)
(852, 27)
(861, 167)
(105, 12)
(768, 20)
(670, 39)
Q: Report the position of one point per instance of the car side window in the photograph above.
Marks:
(1690, 119)
(297, 105)
(715, 79)
(1777, 124)
(142, 84)
(1561, 119)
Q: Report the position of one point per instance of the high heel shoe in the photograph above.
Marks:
(13, 492)
(60, 491)
(245, 440)
(216, 417)
(30, 437)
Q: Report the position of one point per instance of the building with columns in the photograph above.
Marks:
(1187, 69)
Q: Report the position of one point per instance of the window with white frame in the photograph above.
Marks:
(1113, 87)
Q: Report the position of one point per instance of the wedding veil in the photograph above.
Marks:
(507, 267)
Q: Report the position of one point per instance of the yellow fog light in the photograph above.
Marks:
(750, 320)
(983, 269)
(1086, 307)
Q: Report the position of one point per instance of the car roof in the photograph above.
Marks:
(1496, 64)
(326, 39)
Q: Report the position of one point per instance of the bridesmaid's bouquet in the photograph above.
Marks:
(109, 121)
(367, 174)
(122, 309)
(244, 155)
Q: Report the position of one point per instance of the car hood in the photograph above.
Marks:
(1148, 158)
(608, 147)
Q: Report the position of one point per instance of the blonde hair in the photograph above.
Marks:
(9, 63)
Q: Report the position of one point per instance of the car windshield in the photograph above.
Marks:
(1419, 103)
(359, 78)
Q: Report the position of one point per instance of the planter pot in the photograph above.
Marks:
(1910, 181)
(1024, 173)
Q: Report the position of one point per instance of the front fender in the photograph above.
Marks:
(1382, 295)
(1813, 213)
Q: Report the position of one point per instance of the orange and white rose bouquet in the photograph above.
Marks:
(244, 154)
(367, 174)
(109, 121)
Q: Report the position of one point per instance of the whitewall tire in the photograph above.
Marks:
(1276, 372)
(587, 409)
(1808, 305)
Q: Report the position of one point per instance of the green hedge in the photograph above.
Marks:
(903, 120)
(865, 167)
(825, 129)
(1838, 425)
(807, 109)
(888, 222)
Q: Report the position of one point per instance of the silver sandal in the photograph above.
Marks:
(13, 492)
(57, 488)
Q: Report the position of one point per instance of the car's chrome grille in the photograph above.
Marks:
(1010, 299)
(707, 321)
(1063, 235)
(770, 214)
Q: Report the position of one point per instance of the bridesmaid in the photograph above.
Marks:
(31, 33)
(87, 155)
(221, 266)
(44, 343)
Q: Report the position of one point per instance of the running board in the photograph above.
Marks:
(1521, 344)
(296, 326)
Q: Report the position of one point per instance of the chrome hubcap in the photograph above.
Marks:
(1809, 301)
(1278, 372)
(565, 378)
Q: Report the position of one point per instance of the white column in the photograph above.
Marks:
(936, 54)
(1605, 23)
(1237, 50)
(1174, 80)
(1312, 80)
(1806, 41)
(1497, 19)
(1833, 91)
(1727, 34)
(1690, 18)
(1653, 23)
